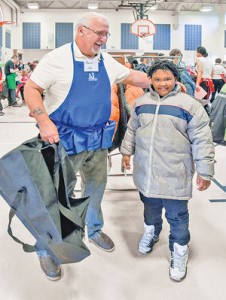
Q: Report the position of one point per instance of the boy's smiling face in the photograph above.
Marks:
(163, 82)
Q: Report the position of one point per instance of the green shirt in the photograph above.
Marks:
(9, 65)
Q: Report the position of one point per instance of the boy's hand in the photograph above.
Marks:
(126, 162)
(202, 184)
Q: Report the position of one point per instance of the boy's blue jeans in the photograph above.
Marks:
(176, 213)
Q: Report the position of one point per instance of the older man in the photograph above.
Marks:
(77, 78)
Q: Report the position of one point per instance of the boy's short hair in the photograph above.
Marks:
(164, 65)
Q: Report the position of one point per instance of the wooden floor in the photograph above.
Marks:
(124, 274)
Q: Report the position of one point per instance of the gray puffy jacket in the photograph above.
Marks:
(167, 135)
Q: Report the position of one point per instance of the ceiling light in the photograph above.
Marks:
(154, 7)
(206, 8)
(92, 5)
(33, 5)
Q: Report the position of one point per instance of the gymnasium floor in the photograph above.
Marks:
(124, 274)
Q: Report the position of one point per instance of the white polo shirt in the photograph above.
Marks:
(218, 69)
(207, 67)
(54, 73)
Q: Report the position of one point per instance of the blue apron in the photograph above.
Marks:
(82, 119)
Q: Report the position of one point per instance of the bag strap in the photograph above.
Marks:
(26, 247)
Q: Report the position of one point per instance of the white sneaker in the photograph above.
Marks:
(148, 239)
(178, 262)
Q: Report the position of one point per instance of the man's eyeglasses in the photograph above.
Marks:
(100, 34)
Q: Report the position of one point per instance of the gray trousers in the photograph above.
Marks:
(92, 166)
(12, 97)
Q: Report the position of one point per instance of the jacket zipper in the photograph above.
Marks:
(150, 173)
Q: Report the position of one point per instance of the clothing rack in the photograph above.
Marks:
(154, 56)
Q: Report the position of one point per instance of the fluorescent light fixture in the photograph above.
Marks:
(206, 8)
(154, 7)
(33, 5)
(92, 5)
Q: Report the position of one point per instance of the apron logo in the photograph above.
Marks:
(92, 77)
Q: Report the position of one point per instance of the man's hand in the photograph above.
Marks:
(202, 184)
(48, 131)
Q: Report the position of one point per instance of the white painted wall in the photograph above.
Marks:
(6, 16)
(213, 26)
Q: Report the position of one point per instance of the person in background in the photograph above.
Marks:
(35, 63)
(144, 64)
(77, 78)
(29, 67)
(24, 79)
(20, 65)
(167, 133)
(218, 117)
(145, 60)
(132, 62)
(204, 72)
(1, 87)
(10, 73)
(18, 83)
(219, 77)
(32, 66)
(184, 76)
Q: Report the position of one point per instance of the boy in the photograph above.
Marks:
(167, 132)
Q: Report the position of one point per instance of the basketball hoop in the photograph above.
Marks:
(143, 28)
(5, 23)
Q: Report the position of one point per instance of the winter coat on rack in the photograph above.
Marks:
(218, 116)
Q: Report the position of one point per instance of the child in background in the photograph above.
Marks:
(24, 78)
(167, 133)
(184, 76)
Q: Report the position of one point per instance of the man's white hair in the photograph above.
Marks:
(88, 17)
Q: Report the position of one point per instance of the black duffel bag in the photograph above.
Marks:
(37, 180)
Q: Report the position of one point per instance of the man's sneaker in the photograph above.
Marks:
(1, 113)
(178, 262)
(102, 241)
(148, 239)
(49, 267)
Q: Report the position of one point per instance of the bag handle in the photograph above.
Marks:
(26, 247)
